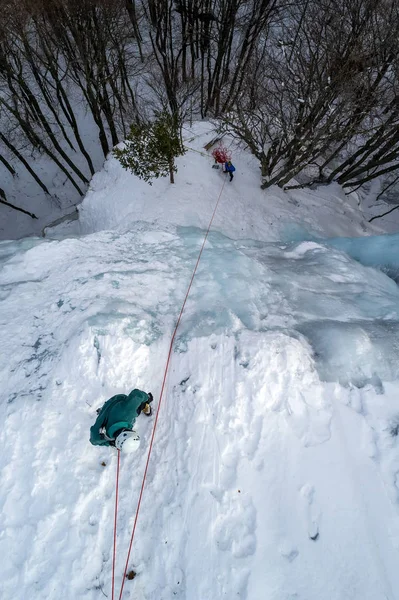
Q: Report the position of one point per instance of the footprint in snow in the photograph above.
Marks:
(312, 513)
(228, 472)
(234, 529)
(288, 550)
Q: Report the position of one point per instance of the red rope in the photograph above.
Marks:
(115, 518)
(162, 391)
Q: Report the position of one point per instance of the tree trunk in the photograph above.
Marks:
(7, 165)
(171, 170)
(3, 201)
(131, 9)
(383, 214)
(24, 162)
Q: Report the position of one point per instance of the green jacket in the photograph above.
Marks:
(119, 412)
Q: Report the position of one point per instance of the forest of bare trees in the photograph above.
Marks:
(311, 87)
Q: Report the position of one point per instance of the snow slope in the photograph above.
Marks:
(116, 199)
(274, 474)
(23, 191)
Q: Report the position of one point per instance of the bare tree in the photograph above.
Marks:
(322, 94)
(311, 86)
(54, 57)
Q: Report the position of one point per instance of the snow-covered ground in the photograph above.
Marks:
(116, 199)
(23, 191)
(274, 472)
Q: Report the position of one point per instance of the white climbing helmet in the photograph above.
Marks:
(127, 441)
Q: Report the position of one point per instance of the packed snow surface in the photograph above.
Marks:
(275, 468)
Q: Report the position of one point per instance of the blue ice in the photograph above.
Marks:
(380, 251)
(329, 293)
(339, 294)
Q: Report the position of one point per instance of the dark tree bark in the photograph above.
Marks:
(25, 163)
(8, 166)
(4, 201)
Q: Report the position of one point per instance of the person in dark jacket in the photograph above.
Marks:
(115, 420)
(229, 168)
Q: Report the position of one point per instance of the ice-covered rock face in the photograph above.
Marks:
(380, 251)
(255, 459)
(131, 285)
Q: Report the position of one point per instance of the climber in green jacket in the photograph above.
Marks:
(115, 420)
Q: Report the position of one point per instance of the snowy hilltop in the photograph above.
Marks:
(274, 468)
